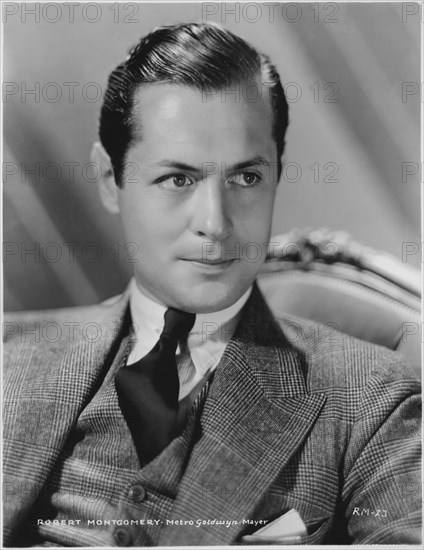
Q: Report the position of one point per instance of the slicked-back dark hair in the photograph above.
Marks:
(203, 56)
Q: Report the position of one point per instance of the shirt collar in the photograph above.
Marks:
(148, 322)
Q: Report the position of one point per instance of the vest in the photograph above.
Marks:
(97, 493)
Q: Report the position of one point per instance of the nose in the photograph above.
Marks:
(211, 218)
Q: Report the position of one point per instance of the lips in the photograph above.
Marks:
(210, 261)
(216, 259)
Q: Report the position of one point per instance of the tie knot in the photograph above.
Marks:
(177, 323)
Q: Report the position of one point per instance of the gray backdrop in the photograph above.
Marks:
(352, 74)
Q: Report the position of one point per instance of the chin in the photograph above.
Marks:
(209, 302)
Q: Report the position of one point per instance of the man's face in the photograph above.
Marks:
(199, 206)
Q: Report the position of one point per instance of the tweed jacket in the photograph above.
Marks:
(294, 418)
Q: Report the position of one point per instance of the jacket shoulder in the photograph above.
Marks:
(63, 324)
(331, 358)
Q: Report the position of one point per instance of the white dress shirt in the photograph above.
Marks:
(206, 341)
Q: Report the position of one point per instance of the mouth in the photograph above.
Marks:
(216, 261)
(210, 263)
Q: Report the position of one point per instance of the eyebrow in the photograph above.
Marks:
(237, 166)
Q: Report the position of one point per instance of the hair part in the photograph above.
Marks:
(203, 56)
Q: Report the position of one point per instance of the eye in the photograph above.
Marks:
(174, 181)
(246, 179)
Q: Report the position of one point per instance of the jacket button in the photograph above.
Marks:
(122, 537)
(137, 493)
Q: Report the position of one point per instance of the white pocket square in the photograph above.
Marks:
(289, 526)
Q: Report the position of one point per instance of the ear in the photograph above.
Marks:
(107, 186)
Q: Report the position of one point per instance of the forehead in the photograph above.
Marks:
(219, 123)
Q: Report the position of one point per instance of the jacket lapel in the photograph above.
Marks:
(49, 385)
(256, 415)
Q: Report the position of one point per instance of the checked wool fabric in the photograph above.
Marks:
(328, 426)
(148, 390)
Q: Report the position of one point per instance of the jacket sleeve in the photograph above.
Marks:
(382, 488)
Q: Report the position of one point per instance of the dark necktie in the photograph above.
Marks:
(148, 389)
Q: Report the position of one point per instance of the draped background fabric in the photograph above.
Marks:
(352, 161)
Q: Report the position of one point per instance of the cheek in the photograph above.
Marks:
(151, 227)
(257, 217)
